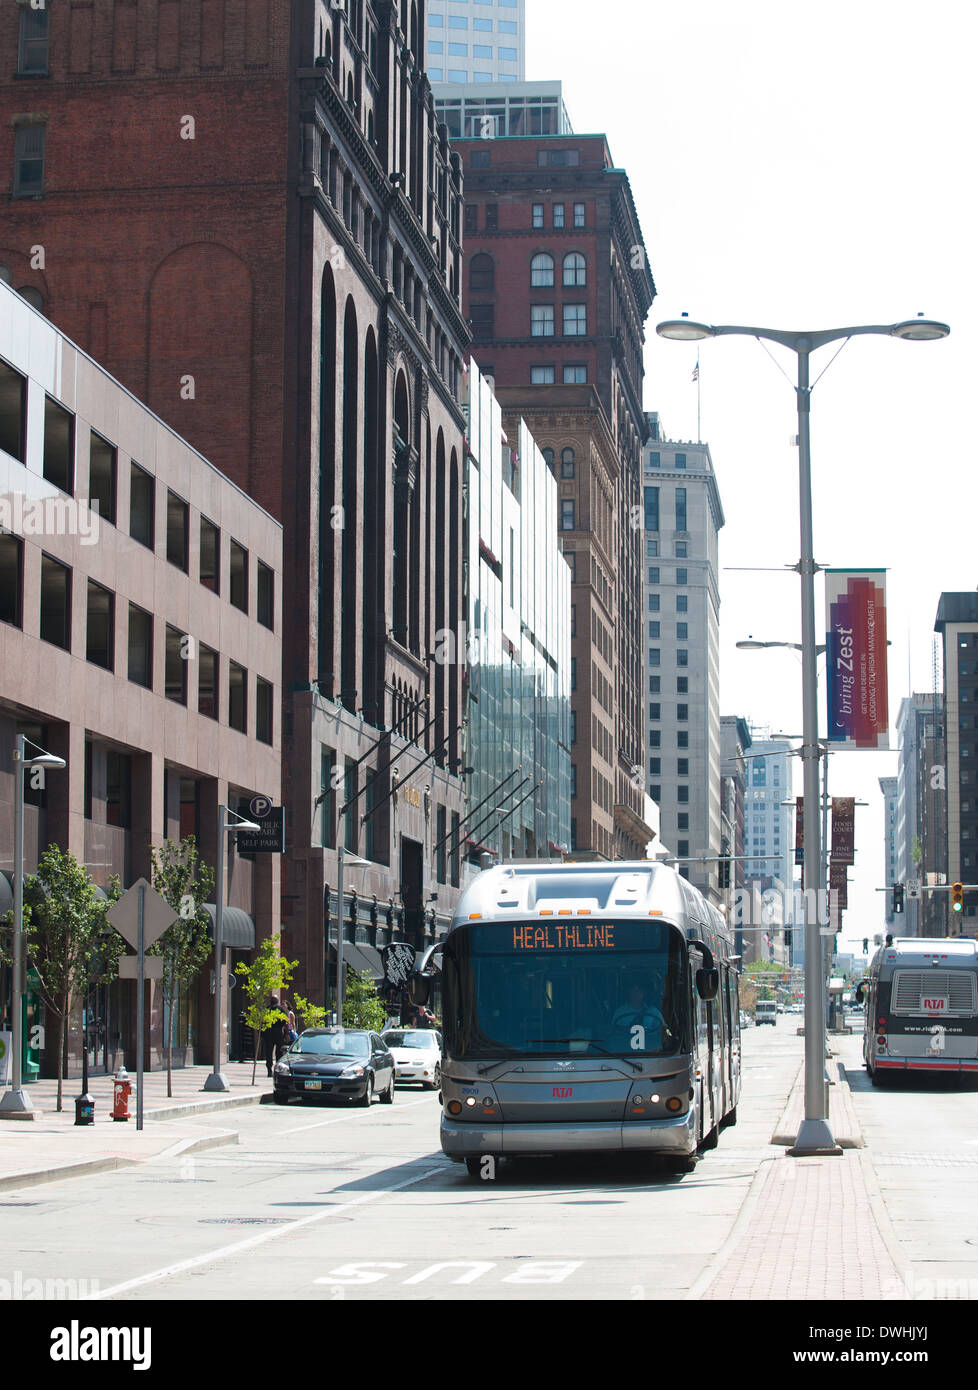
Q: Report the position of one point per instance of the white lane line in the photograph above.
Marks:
(197, 1260)
(318, 1124)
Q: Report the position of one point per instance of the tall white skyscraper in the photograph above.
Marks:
(475, 41)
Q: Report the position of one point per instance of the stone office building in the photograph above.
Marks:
(245, 209)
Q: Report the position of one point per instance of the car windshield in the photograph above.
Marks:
(413, 1038)
(331, 1045)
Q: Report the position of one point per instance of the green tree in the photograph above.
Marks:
(182, 878)
(362, 1007)
(267, 973)
(67, 941)
(311, 1015)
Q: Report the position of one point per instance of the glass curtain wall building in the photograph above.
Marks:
(517, 733)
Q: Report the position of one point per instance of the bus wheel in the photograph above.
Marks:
(875, 1077)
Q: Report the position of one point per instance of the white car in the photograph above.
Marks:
(417, 1056)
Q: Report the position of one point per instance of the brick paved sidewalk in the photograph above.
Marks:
(807, 1231)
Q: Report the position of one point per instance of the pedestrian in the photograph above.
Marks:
(293, 1034)
(276, 1036)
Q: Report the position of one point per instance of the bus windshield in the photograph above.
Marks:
(566, 988)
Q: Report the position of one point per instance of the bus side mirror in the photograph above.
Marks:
(708, 984)
(860, 994)
(418, 989)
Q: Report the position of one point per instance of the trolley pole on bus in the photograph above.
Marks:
(814, 1136)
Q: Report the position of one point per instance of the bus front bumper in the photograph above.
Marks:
(672, 1136)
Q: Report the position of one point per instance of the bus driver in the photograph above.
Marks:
(638, 1014)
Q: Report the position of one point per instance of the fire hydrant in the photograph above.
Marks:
(121, 1091)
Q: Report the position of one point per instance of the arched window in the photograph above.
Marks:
(32, 296)
(575, 269)
(548, 457)
(567, 463)
(541, 270)
(482, 273)
(5, 274)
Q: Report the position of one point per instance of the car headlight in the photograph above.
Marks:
(282, 1069)
(352, 1071)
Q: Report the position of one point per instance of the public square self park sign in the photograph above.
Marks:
(855, 657)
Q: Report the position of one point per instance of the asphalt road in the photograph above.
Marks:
(338, 1204)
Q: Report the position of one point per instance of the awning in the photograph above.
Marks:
(237, 927)
(364, 959)
(6, 894)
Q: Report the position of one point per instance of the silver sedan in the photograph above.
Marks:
(417, 1056)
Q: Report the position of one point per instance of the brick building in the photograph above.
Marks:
(245, 210)
(557, 290)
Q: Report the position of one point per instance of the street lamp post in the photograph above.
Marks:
(814, 1136)
(217, 1081)
(357, 862)
(15, 1104)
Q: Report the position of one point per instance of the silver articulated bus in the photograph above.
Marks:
(587, 1007)
(921, 996)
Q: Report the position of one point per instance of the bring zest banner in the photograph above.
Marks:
(855, 655)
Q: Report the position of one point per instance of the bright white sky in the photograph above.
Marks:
(804, 166)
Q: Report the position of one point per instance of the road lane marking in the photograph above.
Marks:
(318, 1124)
(238, 1246)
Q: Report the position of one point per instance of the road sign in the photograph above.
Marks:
(913, 887)
(124, 915)
(259, 807)
(270, 839)
(129, 968)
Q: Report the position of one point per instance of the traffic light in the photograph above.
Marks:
(723, 873)
(865, 945)
(897, 897)
(957, 897)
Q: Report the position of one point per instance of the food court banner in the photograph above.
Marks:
(855, 652)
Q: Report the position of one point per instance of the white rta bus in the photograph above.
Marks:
(921, 996)
(587, 1007)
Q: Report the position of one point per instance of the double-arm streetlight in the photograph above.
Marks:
(814, 1136)
(15, 1104)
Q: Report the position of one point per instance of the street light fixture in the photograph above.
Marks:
(15, 1104)
(814, 1136)
(217, 1081)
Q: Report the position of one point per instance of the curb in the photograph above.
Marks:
(84, 1167)
(200, 1107)
(722, 1257)
(847, 1135)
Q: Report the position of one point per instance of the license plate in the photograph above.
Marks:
(314, 1085)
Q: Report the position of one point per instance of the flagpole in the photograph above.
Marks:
(699, 431)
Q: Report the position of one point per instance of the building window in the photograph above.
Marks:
(207, 679)
(655, 767)
(266, 595)
(653, 574)
(652, 509)
(263, 710)
(682, 657)
(682, 739)
(575, 320)
(29, 161)
(237, 697)
(682, 795)
(681, 576)
(175, 669)
(102, 477)
(682, 632)
(655, 656)
(683, 850)
(538, 214)
(682, 603)
(55, 603)
(682, 767)
(177, 531)
(653, 603)
(680, 509)
(653, 629)
(651, 550)
(655, 711)
(558, 212)
(575, 375)
(573, 782)
(682, 685)
(492, 216)
(11, 579)
(573, 673)
(558, 159)
(542, 272)
(682, 820)
(210, 556)
(541, 320)
(655, 684)
(682, 711)
(59, 446)
(471, 217)
(579, 217)
(567, 463)
(655, 791)
(655, 738)
(142, 505)
(567, 520)
(482, 323)
(573, 727)
(32, 50)
(681, 555)
(239, 577)
(482, 273)
(12, 398)
(654, 460)
(575, 269)
(140, 647)
(541, 376)
(680, 460)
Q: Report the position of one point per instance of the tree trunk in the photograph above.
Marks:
(254, 1067)
(169, 1034)
(62, 1044)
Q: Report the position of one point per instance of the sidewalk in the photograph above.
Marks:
(52, 1146)
(810, 1228)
